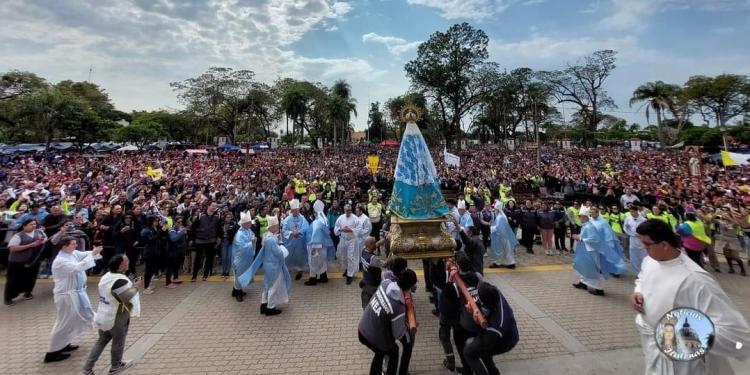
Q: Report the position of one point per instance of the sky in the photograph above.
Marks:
(135, 48)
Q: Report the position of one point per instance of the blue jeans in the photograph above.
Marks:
(226, 256)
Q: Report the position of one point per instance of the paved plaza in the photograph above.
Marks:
(199, 329)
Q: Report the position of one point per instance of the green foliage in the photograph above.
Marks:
(702, 136)
(139, 133)
(376, 125)
(452, 71)
(719, 98)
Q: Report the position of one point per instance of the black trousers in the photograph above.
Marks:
(132, 253)
(427, 269)
(527, 237)
(152, 267)
(574, 229)
(407, 346)
(479, 353)
(560, 238)
(376, 367)
(375, 232)
(173, 267)
(204, 250)
(20, 279)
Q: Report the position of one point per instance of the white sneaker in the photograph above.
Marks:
(122, 366)
(148, 291)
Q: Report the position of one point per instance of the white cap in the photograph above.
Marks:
(318, 206)
(461, 205)
(584, 211)
(273, 220)
(294, 204)
(498, 205)
(245, 218)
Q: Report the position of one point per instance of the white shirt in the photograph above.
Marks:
(680, 282)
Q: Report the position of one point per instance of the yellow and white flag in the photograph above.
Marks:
(731, 158)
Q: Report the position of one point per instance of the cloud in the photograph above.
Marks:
(395, 45)
(473, 9)
(329, 69)
(154, 42)
(541, 50)
(634, 14)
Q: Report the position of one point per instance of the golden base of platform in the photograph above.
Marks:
(421, 239)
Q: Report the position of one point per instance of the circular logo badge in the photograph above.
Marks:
(684, 334)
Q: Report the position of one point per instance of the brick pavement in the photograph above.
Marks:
(316, 334)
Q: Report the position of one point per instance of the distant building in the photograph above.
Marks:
(689, 338)
(358, 136)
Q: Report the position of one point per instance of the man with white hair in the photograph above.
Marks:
(243, 252)
(294, 232)
(347, 226)
(318, 246)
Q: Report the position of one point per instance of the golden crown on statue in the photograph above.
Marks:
(410, 113)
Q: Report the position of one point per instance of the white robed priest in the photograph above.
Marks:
(243, 252)
(670, 279)
(75, 315)
(503, 241)
(319, 244)
(365, 227)
(347, 226)
(295, 231)
(276, 279)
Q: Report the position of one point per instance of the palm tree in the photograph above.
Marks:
(294, 105)
(341, 106)
(657, 96)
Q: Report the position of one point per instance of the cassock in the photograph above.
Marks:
(347, 249)
(680, 282)
(365, 228)
(320, 245)
(503, 241)
(297, 246)
(75, 315)
(277, 282)
(636, 249)
(243, 253)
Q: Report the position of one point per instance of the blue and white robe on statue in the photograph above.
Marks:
(297, 246)
(243, 253)
(503, 241)
(277, 282)
(416, 187)
(320, 247)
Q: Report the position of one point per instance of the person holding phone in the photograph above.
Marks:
(23, 265)
(74, 313)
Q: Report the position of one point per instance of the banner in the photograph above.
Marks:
(155, 174)
(731, 158)
(451, 159)
(635, 145)
(372, 163)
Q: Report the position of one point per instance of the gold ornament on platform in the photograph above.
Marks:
(410, 113)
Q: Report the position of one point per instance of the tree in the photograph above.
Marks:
(218, 96)
(14, 85)
(720, 98)
(376, 126)
(658, 97)
(341, 105)
(452, 71)
(49, 113)
(139, 133)
(306, 104)
(92, 95)
(582, 85)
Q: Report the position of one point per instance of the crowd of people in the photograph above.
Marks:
(288, 212)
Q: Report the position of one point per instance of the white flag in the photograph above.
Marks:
(451, 159)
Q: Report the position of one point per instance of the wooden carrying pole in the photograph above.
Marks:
(411, 316)
(471, 306)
